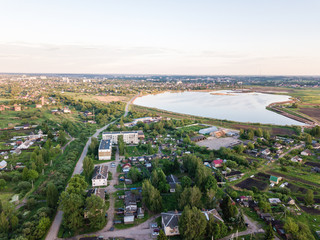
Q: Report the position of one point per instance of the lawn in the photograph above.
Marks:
(6, 196)
(170, 202)
(134, 151)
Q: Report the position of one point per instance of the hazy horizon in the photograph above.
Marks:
(143, 37)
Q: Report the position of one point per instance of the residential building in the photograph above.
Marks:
(296, 159)
(170, 220)
(217, 163)
(316, 146)
(128, 218)
(100, 176)
(3, 164)
(126, 167)
(105, 150)
(275, 180)
(274, 201)
(130, 200)
(129, 137)
(306, 152)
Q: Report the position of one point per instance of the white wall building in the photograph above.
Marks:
(129, 137)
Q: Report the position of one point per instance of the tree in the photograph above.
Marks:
(309, 198)
(4, 223)
(308, 139)
(95, 210)
(72, 207)
(42, 227)
(190, 197)
(266, 134)
(134, 174)
(291, 226)
(25, 174)
(88, 167)
(192, 224)
(52, 196)
(77, 184)
(162, 235)
(269, 233)
(2, 184)
(151, 197)
(186, 182)
(32, 175)
(228, 209)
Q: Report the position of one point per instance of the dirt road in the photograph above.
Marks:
(253, 227)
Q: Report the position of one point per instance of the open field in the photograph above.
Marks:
(108, 99)
(252, 182)
(312, 112)
(286, 176)
(217, 143)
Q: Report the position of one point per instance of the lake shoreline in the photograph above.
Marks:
(166, 104)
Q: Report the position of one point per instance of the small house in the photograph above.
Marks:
(130, 201)
(296, 159)
(316, 145)
(275, 180)
(306, 152)
(217, 163)
(274, 201)
(3, 164)
(291, 201)
(128, 218)
(126, 167)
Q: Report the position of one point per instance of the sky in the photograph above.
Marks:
(203, 37)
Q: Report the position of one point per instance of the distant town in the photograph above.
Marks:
(79, 160)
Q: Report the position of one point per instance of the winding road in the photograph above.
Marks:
(54, 229)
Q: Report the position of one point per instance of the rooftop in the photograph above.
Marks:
(105, 144)
(100, 172)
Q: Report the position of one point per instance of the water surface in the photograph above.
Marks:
(240, 107)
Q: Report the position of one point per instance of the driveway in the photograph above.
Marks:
(253, 227)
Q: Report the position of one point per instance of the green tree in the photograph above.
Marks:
(3, 184)
(151, 197)
(228, 209)
(291, 226)
(52, 196)
(162, 235)
(72, 207)
(95, 210)
(32, 175)
(134, 174)
(269, 233)
(42, 227)
(308, 139)
(4, 223)
(25, 174)
(309, 197)
(192, 224)
(190, 197)
(88, 167)
(186, 182)
(77, 185)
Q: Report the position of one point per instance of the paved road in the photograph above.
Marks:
(54, 229)
(253, 227)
